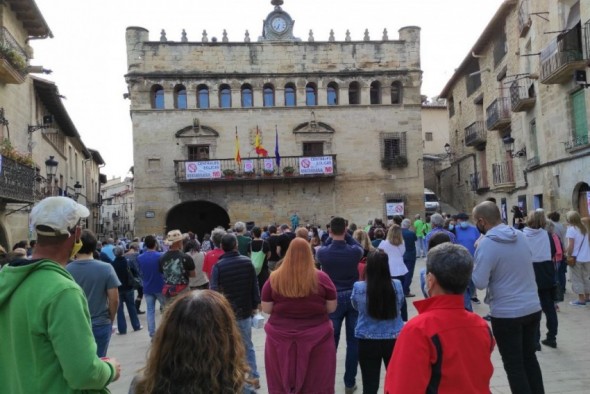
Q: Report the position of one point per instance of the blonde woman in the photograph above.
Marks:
(578, 250)
(363, 238)
(300, 352)
(395, 248)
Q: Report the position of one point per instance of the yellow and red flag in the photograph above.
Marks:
(237, 156)
(260, 151)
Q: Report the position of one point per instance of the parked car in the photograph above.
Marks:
(431, 202)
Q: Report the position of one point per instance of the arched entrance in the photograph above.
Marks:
(200, 217)
(580, 198)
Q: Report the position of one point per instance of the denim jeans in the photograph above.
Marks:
(548, 307)
(373, 353)
(102, 337)
(150, 301)
(561, 271)
(420, 250)
(404, 306)
(245, 326)
(410, 265)
(516, 342)
(126, 298)
(344, 310)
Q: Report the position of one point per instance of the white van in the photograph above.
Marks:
(431, 202)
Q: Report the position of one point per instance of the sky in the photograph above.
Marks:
(88, 55)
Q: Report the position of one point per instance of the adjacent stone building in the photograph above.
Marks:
(435, 136)
(518, 109)
(344, 118)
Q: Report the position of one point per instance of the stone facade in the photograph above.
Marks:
(435, 135)
(280, 88)
(517, 118)
(117, 210)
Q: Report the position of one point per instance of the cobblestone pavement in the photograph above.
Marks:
(565, 369)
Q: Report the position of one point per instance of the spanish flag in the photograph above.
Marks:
(237, 156)
(260, 151)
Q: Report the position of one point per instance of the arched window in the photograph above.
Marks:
(311, 94)
(268, 95)
(290, 97)
(354, 93)
(202, 96)
(375, 92)
(224, 96)
(247, 99)
(332, 93)
(179, 97)
(157, 97)
(396, 93)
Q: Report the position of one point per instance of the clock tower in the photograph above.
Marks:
(278, 25)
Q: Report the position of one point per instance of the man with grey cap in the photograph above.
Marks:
(44, 314)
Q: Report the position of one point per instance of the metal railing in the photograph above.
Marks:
(533, 162)
(576, 142)
(522, 94)
(524, 18)
(498, 113)
(12, 51)
(503, 173)
(257, 168)
(17, 181)
(475, 134)
(565, 49)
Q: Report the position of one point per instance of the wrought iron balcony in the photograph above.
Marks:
(533, 162)
(503, 174)
(17, 181)
(562, 56)
(498, 114)
(578, 142)
(13, 59)
(475, 135)
(522, 94)
(479, 182)
(255, 169)
(524, 18)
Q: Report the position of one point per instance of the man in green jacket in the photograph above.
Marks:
(48, 346)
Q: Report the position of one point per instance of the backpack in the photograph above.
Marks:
(133, 279)
(257, 258)
(558, 256)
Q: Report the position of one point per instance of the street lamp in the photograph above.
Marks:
(77, 187)
(509, 147)
(448, 150)
(51, 169)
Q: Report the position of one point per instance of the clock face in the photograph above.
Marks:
(279, 24)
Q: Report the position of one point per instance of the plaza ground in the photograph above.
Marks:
(565, 369)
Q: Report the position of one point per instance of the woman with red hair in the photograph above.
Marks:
(300, 353)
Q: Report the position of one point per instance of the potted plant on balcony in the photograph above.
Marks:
(268, 172)
(229, 173)
(396, 161)
(8, 151)
(288, 171)
(249, 174)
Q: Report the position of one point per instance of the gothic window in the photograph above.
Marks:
(224, 96)
(198, 152)
(290, 96)
(269, 95)
(202, 96)
(157, 97)
(354, 93)
(332, 93)
(311, 94)
(179, 97)
(247, 100)
(375, 92)
(396, 93)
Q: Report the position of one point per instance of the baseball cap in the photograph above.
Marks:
(55, 216)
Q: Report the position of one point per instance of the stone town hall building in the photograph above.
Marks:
(345, 115)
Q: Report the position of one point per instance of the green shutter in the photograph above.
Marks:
(580, 122)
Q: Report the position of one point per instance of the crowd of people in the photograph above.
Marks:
(60, 300)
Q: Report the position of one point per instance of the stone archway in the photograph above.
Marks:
(200, 217)
(580, 199)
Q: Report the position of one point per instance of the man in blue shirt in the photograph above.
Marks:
(152, 280)
(339, 259)
(467, 235)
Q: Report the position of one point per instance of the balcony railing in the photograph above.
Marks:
(475, 134)
(498, 114)
(522, 95)
(562, 56)
(524, 18)
(503, 174)
(255, 169)
(17, 181)
(13, 59)
(577, 142)
(533, 162)
(478, 182)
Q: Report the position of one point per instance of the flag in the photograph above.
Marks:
(277, 155)
(260, 151)
(237, 156)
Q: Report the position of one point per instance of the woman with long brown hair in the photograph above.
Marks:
(196, 350)
(300, 353)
